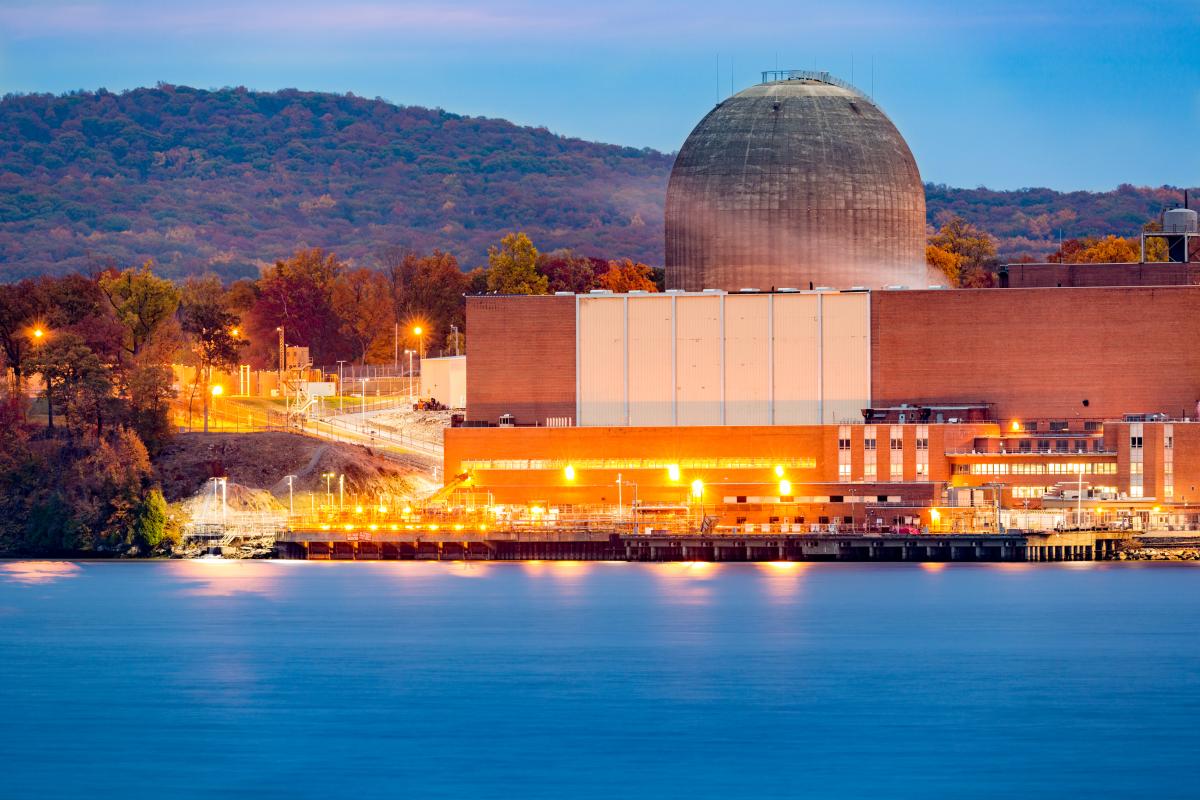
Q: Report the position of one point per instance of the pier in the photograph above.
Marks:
(622, 546)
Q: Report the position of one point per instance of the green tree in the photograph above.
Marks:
(512, 267)
(75, 380)
(142, 302)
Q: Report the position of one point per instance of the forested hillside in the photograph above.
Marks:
(230, 180)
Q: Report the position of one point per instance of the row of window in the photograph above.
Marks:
(1053, 468)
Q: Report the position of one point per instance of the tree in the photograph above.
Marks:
(626, 276)
(142, 302)
(567, 272)
(75, 378)
(209, 327)
(426, 290)
(974, 248)
(362, 300)
(20, 304)
(1109, 250)
(297, 295)
(512, 267)
(949, 263)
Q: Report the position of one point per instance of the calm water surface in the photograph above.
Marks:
(314, 680)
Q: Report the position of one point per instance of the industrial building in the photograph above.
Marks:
(868, 400)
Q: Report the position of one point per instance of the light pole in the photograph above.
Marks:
(291, 505)
(364, 401)
(328, 476)
(38, 336)
(411, 399)
(420, 334)
(341, 491)
(395, 347)
(341, 391)
(454, 330)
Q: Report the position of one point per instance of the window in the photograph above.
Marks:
(1091, 427)
(1168, 442)
(1135, 442)
(844, 471)
(923, 444)
(897, 444)
(1031, 427)
(1025, 446)
(1061, 445)
(868, 444)
(1058, 425)
(848, 520)
(843, 444)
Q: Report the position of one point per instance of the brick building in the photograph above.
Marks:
(1077, 404)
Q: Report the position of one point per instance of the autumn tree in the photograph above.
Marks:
(426, 290)
(362, 300)
(627, 276)
(209, 326)
(948, 263)
(297, 294)
(512, 267)
(973, 249)
(20, 304)
(568, 272)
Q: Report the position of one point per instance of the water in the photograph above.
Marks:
(556, 680)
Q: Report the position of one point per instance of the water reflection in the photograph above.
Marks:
(686, 582)
(221, 578)
(781, 579)
(37, 572)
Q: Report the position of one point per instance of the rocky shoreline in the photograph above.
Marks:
(1158, 554)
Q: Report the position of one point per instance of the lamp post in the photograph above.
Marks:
(341, 491)
(454, 330)
(39, 335)
(291, 505)
(419, 332)
(411, 399)
(341, 391)
(364, 402)
(328, 476)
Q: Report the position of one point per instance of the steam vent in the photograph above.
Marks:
(798, 182)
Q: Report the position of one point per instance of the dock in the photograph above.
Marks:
(553, 545)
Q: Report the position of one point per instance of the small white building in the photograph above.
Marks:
(445, 380)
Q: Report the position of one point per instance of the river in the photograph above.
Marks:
(299, 679)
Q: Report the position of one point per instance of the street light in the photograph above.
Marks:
(291, 506)
(419, 332)
(341, 392)
(328, 476)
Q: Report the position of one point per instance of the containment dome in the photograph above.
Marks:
(800, 181)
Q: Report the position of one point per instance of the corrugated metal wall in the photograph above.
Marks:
(723, 359)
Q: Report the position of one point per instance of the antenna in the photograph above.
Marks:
(718, 79)
(872, 78)
(731, 76)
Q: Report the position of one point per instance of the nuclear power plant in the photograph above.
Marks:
(801, 375)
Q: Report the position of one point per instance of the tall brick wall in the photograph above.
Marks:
(520, 358)
(1039, 353)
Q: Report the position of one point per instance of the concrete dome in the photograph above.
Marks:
(791, 183)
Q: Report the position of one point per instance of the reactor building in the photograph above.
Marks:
(799, 182)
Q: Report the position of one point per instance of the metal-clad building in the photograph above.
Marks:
(800, 181)
(713, 358)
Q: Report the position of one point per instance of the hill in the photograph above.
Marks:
(229, 180)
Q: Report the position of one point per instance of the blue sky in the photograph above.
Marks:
(1071, 95)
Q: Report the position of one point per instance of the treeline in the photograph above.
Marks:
(223, 181)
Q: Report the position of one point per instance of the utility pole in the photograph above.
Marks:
(291, 504)
(395, 346)
(364, 401)
(454, 329)
(341, 491)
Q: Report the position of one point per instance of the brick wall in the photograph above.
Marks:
(1039, 353)
(1018, 276)
(521, 358)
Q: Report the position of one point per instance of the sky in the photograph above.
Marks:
(998, 93)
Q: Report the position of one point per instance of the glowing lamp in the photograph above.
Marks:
(697, 488)
(218, 390)
(785, 488)
(1016, 426)
(38, 333)
(779, 470)
(569, 472)
(673, 472)
(934, 515)
(417, 330)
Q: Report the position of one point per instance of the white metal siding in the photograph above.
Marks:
(698, 352)
(602, 361)
(796, 369)
(651, 384)
(846, 356)
(713, 359)
(747, 360)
